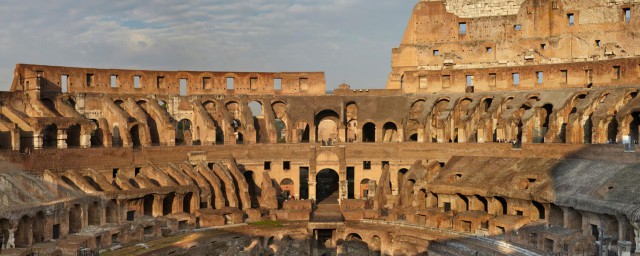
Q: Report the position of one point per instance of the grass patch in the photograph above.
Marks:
(267, 224)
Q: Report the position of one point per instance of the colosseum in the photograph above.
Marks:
(505, 128)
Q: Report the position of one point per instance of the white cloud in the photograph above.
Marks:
(350, 40)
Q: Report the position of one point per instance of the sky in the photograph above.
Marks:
(350, 40)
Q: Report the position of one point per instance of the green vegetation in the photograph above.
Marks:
(267, 224)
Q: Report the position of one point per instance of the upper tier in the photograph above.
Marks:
(498, 45)
(62, 79)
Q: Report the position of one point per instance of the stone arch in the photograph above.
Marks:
(612, 130)
(287, 185)
(364, 188)
(254, 189)
(154, 133)
(500, 205)
(463, 202)
(93, 214)
(239, 138)
(432, 200)
(327, 186)
(634, 127)
(351, 121)
(75, 219)
(376, 244)
(257, 112)
(167, 203)
(73, 136)
(421, 199)
(5, 225)
(484, 202)
(97, 134)
(369, 132)
(390, 132)
(400, 179)
(353, 237)
(37, 227)
(234, 108)
(116, 140)
(327, 123)
(50, 136)
(537, 210)
(112, 211)
(587, 129)
(303, 132)
(24, 233)
(184, 135)
(186, 202)
(556, 216)
(147, 205)
(545, 121)
(486, 104)
(136, 135)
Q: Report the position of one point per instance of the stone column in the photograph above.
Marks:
(38, 140)
(157, 205)
(62, 138)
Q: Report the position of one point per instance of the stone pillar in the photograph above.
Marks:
(343, 189)
(400, 134)
(312, 188)
(421, 135)
(379, 133)
(38, 140)
(62, 138)
(312, 133)
(15, 138)
(157, 205)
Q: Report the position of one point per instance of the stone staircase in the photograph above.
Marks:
(327, 210)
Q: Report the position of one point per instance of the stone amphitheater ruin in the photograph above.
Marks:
(505, 128)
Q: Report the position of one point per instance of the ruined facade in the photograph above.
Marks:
(505, 128)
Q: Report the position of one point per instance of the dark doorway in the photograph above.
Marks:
(327, 186)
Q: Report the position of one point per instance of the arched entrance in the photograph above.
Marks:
(327, 186)
(369, 132)
(327, 122)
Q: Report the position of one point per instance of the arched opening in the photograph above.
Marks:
(93, 213)
(186, 202)
(369, 132)
(116, 140)
(254, 189)
(327, 126)
(73, 136)
(353, 237)
(401, 174)
(612, 131)
(4, 231)
(563, 133)
(327, 186)
(390, 132)
(96, 134)
(556, 216)
(634, 127)
(112, 212)
(148, 205)
(463, 202)
(483, 201)
(486, 104)
(281, 130)
(500, 207)
(23, 234)
(280, 110)
(545, 114)
(421, 199)
(287, 187)
(50, 136)
(183, 132)
(538, 210)
(432, 200)
(75, 219)
(351, 119)
(413, 137)
(302, 132)
(151, 123)
(364, 188)
(135, 136)
(167, 204)
(38, 227)
(239, 138)
(258, 120)
(587, 128)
